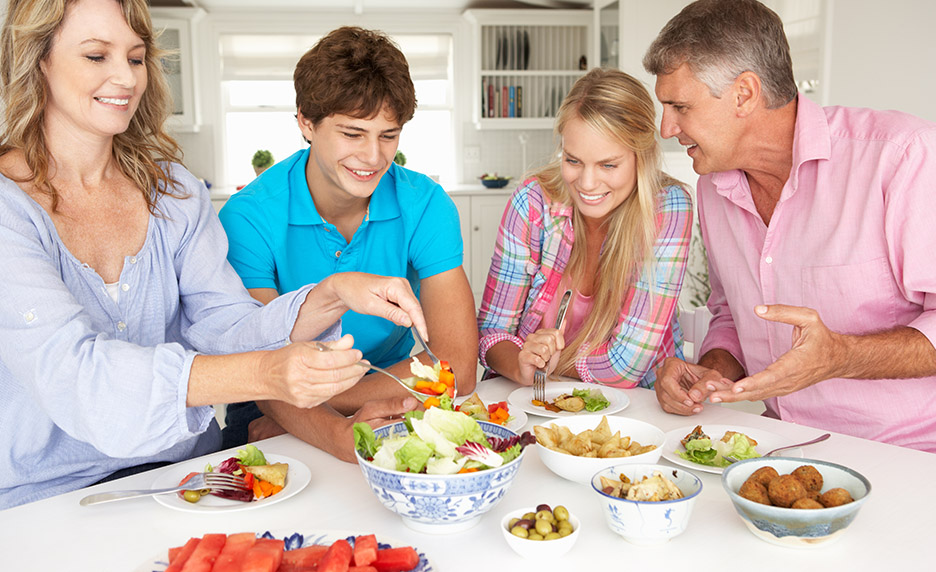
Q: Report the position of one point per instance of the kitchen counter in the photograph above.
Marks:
(224, 193)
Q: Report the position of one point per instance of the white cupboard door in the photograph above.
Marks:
(486, 213)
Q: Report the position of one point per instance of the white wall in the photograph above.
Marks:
(882, 55)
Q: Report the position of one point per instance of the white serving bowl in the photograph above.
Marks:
(582, 469)
(801, 528)
(539, 549)
(441, 504)
(648, 523)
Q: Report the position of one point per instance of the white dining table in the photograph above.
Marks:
(893, 531)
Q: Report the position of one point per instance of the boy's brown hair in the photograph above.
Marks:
(355, 72)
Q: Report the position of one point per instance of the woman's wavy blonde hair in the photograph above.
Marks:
(618, 107)
(26, 40)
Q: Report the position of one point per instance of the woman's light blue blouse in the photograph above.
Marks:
(89, 386)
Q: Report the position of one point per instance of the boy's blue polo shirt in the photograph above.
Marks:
(278, 240)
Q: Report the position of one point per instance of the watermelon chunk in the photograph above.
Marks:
(264, 556)
(396, 559)
(234, 551)
(306, 557)
(337, 558)
(205, 554)
(365, 550)
(178, 561)
(361, 569)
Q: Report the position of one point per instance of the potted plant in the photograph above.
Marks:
(262, 160)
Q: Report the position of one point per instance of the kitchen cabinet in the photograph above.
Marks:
(524, 62)
(175, 29)
(479, 213)
(607, 29)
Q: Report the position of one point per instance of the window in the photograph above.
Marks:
(259, 101)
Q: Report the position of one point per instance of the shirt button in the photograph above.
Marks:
(337, 253)
(29, 317)
(121, 326)
(768, 260)
(124, 287)
(133, 260)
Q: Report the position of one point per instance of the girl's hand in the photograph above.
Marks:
(540, 351)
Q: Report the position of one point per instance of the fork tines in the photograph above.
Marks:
(225, 481)
(539, 385)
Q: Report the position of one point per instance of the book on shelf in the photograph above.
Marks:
(490, 100)
(512, 108)
(519, 101)
(505, 103)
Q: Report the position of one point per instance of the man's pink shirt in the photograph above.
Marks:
(853, 237)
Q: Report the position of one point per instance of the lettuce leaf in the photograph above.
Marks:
(455, 426)
(594, 399)
(364, 440)
(413, 455)
(250, 456)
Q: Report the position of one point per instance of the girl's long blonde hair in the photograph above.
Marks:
(25, 41)
(618, 107)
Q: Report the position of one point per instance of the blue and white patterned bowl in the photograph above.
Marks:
(441, 503)
(801, 528)
(648, 523)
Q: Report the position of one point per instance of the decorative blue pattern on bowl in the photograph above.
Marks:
(441, 503)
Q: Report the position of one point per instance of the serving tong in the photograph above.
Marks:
(539, 376)
(198, 482)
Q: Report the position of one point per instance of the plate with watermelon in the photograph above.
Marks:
(297, 477)
(319, 551)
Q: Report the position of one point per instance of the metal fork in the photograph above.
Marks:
(199, 481)
(818, 439)
(434, 359)
(539, 376)
(420, 396)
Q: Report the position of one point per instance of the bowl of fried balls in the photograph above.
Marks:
(795, 502)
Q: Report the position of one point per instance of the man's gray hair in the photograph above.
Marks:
(721, 39)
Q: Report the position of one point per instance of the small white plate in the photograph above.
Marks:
(297, 478)
(300, 540)
(521, 399)
(518, 419)
(766, 441)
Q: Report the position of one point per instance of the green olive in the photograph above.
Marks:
(513, 523)
(535, 536)
(545, 515)
(543, 526)
(553, 536)
(519, 531)
(529, 516)
(561, 513)
(191, 496)
(563, 532)
(564, 525)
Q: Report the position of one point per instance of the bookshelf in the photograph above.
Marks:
(525, 61)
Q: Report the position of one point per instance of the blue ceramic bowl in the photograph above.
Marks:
(643, 522)
(498, 183)
(802, 528)
(441, 503)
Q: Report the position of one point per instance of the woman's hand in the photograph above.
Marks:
(384, 296)
(540, 351)
(304, 376)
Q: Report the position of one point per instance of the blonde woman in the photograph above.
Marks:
(121, 321)
(603, 221)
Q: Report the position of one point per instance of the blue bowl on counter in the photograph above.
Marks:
(441, 504)
(498, 183)
(797, 527)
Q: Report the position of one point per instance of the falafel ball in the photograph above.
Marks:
(786, 490)
(810, 477)
(807, 503)
(764, 475)
(754, 491)
(835, 497)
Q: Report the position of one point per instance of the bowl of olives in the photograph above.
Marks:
(542, 532)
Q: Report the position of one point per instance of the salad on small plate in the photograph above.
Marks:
(595, 399)
(703, 447)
